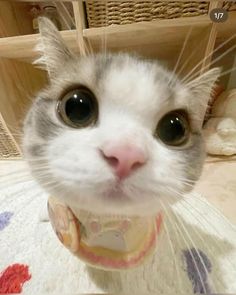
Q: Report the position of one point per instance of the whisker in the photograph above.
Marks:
(220, 215)
(191, 74)
(10, 183)
(173, 78)
(203, 60)
(228, 71)
(221, 74)
(10, 173)
(89, 47)
(41, 158)
(177, 267)
(17, 195)
(186, 244)
(194, 245)
(217, 212)
(183, 204)
(13, 133)
(200, 221)
(16, 191)
(68, 16)
(105, 30)
(51, 184)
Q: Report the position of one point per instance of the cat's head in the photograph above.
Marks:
(114, 133)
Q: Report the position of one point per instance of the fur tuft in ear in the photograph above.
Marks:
(53, 50)
(202, 89)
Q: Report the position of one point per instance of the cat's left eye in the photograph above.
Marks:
(173, 129)
(78, 108)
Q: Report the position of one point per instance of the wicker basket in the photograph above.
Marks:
(112, 12)
(101, 13)
(8, 146)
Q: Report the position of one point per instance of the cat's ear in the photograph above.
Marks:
(201, 89)
(52, 48)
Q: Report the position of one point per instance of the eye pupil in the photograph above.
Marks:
(78, 108)
(173, 129)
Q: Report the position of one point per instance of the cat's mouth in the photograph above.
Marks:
(116, 193)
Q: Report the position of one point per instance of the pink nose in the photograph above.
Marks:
(123, 158)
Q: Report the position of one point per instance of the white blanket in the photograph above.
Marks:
(196, 251)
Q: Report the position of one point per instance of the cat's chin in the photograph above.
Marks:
(116, 194)
(127, 208)
(116, 205)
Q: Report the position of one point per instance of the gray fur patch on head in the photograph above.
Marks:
(194, 158)
(39, 127)
(44, 125)
(35, 150)
(198, 266)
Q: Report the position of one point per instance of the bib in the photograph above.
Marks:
(105, 242)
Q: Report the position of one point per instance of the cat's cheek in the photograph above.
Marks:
(169, 175)
(74, 159)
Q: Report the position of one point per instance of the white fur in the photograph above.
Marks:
(133, 95)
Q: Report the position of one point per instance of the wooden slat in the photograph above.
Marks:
(22, 47)
(215, 4)
(80, 25)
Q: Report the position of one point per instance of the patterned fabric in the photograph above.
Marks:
(14, 276)
(5, 219)
(196, 249)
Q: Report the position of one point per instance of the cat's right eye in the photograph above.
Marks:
(78, 108)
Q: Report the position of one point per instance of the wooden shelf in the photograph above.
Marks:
(22, 47)
(117, 37)
(147, 38)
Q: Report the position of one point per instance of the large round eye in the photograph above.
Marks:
(173, 128)
(78, 108)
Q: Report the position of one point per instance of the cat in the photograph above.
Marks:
(114, 133)
(122, 135)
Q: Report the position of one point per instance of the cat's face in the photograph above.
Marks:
(111, 134)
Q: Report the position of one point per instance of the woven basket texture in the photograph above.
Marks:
(100, 13)
(107, 13)
(8, 148)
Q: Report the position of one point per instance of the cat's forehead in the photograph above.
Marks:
(127, 79)
(134, 80)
